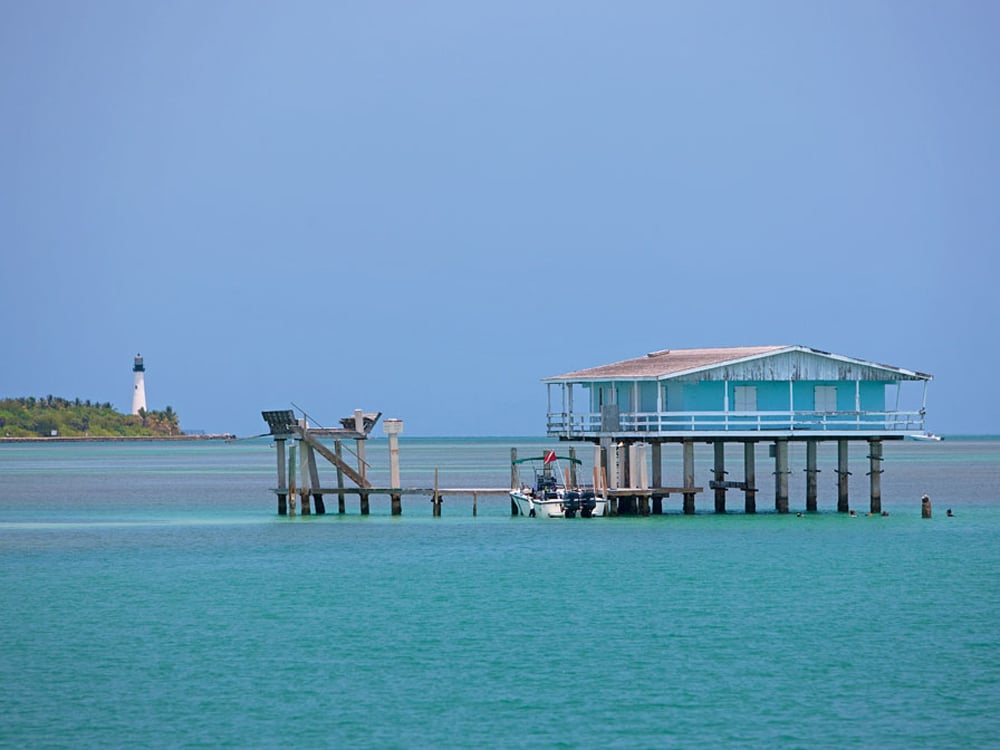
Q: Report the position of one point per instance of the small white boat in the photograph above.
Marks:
(924, 436)
(547, 498)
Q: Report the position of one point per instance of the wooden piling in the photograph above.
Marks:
(513, 480)
(279, 448)
(656, 458)
(608, 473)
(781, 475)
(688, 447)
(396, 499)
(875, 474)
(572, 468)
(811, 471)
(719, 449)
(436, 500)
(750, 478)
(359, 449)
(291, 479)
(641, 469)
(317, 496)
(306, 508)
(843, 503)
(925, 507)
(338, 452)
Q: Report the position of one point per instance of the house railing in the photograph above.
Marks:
(613, 422)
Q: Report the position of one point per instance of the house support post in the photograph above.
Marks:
(749, 478)
(811, 471)
(843, 504)
(781, 475)
(626, 504)
(573, 482)
(279, 445)
(609, 474)
(875, 474)
(719, 447)
(656, 457)
(688, 477)
(639, 470)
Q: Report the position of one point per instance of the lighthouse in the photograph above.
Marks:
(139, 385)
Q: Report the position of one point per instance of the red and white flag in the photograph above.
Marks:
(549, 457)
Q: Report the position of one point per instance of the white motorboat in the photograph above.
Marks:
(547, 498)
(924, 436)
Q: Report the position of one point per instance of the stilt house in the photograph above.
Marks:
(780, 391)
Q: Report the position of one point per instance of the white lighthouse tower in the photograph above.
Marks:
(139, 385)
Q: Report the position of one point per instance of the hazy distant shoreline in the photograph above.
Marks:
(116, 438)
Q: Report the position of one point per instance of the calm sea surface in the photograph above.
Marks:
(151, 597)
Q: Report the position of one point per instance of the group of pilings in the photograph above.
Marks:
(626, 463)
(306, 496)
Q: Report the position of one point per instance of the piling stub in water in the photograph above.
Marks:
(925, 507)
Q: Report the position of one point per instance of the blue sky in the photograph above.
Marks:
(424, 208)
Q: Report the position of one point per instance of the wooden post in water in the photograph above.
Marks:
(436, 510)
(640, 469)
(811, 471)
(475, 504)
(656, 458)
(291, 479)
(304, 479)
(749, 477)
(279, 446)
(688, 477)
(393, 428)
(341, 509)
(843, 502)
(572, 468)
(875, 474)
(626, 477)
(314, 480)
(608, 475)
(719, 447)
(513, 479)
(781, 475)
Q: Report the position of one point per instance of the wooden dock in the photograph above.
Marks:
(620, 469)
(299, 486)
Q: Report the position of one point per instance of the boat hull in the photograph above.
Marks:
(535, 507)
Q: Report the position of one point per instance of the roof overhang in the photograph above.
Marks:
(594, 374)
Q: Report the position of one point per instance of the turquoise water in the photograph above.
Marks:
(152, 598)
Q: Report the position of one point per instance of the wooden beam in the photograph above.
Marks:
(330, 456)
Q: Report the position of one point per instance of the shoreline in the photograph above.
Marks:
(117, 438)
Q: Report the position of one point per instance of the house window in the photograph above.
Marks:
(745, 397)
(826, 398)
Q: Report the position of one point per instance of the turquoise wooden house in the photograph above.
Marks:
(741, 394)
(777, 390)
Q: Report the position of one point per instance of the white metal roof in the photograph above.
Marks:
(741, 363)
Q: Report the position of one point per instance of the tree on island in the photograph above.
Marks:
(31, 417)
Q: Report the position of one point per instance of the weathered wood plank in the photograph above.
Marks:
(330, 456)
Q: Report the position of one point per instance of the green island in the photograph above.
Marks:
(53, 416)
